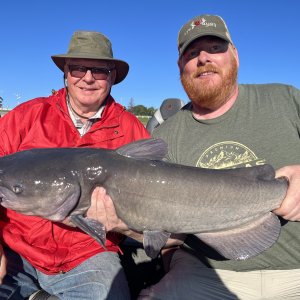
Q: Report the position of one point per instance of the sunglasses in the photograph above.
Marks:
(80, 71)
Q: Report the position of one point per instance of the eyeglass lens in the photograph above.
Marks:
(80, 71)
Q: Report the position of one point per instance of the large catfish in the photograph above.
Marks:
(228, 209)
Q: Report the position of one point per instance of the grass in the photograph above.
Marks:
(144, 119)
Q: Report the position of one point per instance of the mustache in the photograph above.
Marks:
(205, 69)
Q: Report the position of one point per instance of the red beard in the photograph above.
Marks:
(210, 96)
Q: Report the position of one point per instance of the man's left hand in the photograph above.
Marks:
(290, 207)
(103, 210)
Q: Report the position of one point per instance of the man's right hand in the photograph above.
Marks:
(3, 263)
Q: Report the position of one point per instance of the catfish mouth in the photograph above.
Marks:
(8, 199)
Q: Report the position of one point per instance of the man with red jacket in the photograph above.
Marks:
(39, 253)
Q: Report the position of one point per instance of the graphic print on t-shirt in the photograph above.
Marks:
(228, 155)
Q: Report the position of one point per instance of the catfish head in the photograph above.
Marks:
(38, 184)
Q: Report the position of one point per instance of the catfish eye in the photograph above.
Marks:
(17, 189)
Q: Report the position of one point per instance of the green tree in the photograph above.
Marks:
(150, 111)
(140, 110)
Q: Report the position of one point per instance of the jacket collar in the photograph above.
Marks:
(111, 113)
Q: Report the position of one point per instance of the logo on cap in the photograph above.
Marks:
(202, 22)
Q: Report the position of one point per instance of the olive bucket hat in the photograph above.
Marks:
(92, 45)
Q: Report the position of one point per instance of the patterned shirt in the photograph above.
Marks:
(83, 128)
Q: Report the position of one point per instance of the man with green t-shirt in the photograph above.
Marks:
(227, 125)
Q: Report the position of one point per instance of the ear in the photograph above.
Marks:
(180, 64)
(236, 55)
(65, 80)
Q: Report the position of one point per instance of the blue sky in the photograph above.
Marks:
(143, 33)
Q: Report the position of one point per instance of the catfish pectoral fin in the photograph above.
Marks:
(246, 241)
(92, 227)
(154, 241)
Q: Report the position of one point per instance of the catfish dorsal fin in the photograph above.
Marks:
(152, 149)
(262, 172)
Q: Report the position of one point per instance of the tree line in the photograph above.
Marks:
(140, 110)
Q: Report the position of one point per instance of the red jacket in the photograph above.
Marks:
(43, 123)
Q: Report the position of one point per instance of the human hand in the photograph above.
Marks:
(103, 210)
(3, 263)
(175, 240)
(290, 207)
(68, 221)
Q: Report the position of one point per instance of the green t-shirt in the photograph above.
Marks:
(262, 127)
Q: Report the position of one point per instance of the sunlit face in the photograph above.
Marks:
(208, 71)
(87, 91)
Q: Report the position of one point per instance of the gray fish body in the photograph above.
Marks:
(179, 199)
(149, 195)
